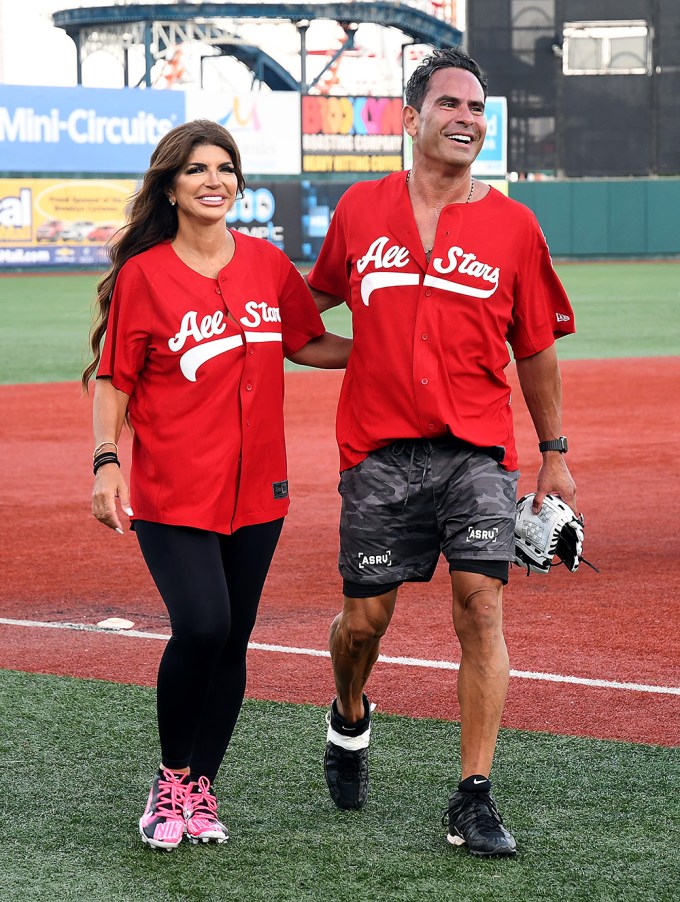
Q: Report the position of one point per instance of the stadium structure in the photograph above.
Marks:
(580, 78)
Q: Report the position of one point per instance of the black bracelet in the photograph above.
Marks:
(108, 457)
(105, 455)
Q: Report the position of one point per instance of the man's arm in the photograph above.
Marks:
(322, 300)
(541, 384)
(328, 351)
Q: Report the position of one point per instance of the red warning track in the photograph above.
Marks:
(620, 626)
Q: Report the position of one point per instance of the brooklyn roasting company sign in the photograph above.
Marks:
(351, 134)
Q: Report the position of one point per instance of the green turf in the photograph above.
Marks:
(44, 324)
(622, 310)
(594, 820)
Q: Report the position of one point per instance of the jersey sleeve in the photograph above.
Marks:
(542, 311)
(128, 331)
(300, 320)
(331, 271)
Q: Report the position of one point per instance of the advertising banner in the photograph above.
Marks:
(318, 200)
(265, 126)
(351, 134)
(45, 222)
(81, 130)
(493, 158)
(271, 211)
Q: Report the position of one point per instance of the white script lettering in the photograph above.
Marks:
(211, 325)
(381, 258)
(260, 313)
(469, 264)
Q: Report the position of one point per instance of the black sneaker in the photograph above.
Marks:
(345, 761)
(474, 820)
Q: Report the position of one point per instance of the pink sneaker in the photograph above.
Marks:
(162, 824)
(200, 810)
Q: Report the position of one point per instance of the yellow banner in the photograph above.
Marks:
(67, 221)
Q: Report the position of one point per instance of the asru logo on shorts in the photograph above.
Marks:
(483, 535)
(367, 560)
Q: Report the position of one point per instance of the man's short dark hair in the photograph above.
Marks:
(446, 58)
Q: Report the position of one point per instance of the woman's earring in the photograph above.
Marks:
(172, 202)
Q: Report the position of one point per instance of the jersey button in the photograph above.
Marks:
(249, 387)
(424, 336)
(424, 381)
(428, 293)
(430, 426)
(218, 291)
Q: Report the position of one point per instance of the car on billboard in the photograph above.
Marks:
(50, 230)
(76, 231)
(103, 232)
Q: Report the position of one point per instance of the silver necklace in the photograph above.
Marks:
(472, 186)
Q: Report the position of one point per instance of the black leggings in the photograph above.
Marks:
(211, 585)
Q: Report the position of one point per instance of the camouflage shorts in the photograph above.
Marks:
(413, 500)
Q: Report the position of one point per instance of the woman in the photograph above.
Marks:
(193, 323)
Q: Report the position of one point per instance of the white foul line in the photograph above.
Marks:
(383, 659)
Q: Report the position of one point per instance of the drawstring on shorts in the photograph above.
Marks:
(426, 446)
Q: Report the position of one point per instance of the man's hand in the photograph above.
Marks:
(554, 478)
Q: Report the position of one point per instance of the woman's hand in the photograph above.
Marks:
(109, 485)
(108, 416)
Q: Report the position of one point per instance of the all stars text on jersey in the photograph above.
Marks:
(212, 325)
(384, 257)
(209, 345)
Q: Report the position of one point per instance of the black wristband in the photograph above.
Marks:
(108, 457)
(555, 444)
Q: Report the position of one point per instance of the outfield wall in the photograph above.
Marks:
(602, 218)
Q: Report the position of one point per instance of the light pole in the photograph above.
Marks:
(303, 26)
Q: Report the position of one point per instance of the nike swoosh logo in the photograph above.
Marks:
(477, 782)
(375, 280)
(194, 358)
(457, 288)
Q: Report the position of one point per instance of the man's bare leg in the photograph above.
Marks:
(473, 818)
(355, 636)
(355, 643)
(484, 667)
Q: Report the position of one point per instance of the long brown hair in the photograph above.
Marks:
(151, 218)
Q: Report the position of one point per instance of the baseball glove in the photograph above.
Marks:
(555, 531)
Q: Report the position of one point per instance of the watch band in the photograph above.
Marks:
(555, 444)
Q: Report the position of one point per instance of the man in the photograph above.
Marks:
(440, 271)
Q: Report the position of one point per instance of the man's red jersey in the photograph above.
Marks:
(431, 338)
